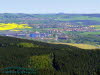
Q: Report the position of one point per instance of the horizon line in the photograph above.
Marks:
(47, 13)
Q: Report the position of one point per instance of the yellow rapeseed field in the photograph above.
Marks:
(94, 26)
(10, 26)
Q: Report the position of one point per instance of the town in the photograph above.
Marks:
(67, 28)
(45, 32)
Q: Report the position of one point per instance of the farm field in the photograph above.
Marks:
(13, 26)
(92, 33)
(82, 46)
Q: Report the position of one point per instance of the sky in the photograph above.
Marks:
(49, 6)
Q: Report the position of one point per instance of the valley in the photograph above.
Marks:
(65, 28)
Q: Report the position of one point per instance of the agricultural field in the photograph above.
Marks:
(92, 33)
(13, 26)
(82, 46)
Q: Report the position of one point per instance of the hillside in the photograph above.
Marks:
(82, 46)
(48, 59)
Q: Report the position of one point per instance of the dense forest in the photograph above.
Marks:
(48, 59)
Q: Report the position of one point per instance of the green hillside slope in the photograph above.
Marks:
(48, 59)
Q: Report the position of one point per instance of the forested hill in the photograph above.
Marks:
(48, 59)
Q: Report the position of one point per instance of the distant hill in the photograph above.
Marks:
(48, 59)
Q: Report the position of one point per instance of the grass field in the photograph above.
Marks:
(82, 46)
(86, 33)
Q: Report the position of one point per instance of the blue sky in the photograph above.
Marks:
(49, 6)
